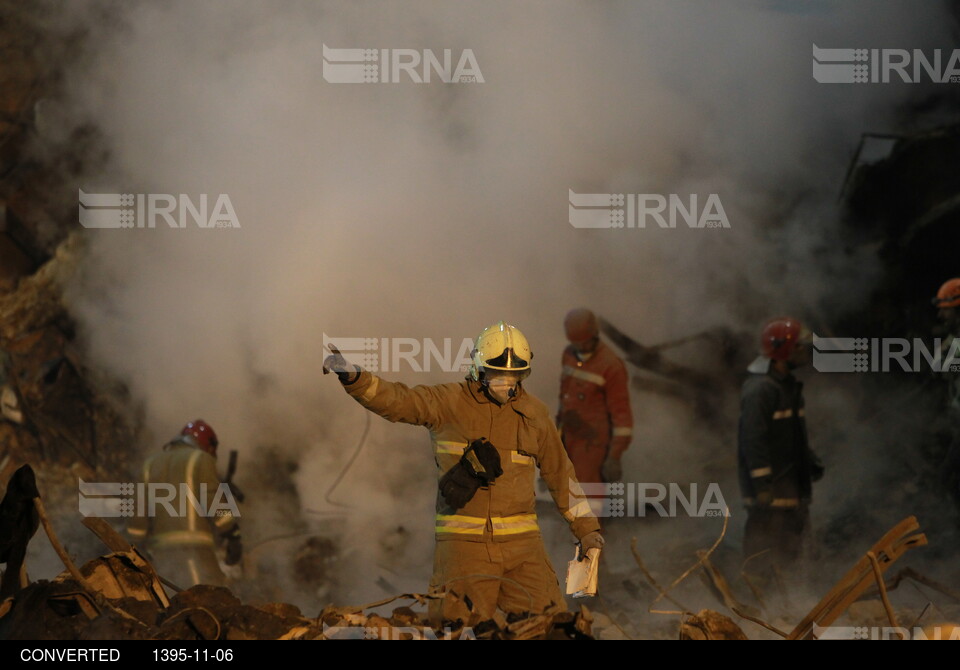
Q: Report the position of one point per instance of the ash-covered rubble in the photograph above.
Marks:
(55, 410)
(120, 596)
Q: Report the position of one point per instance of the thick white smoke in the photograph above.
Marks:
(433, 210)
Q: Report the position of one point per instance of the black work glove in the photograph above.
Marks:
(483, 460)
(348, 373)
(816, 468)
(611, 470)
(234, 547)
(479, 466)
(592, 540)
(458, 486)
(764, 491)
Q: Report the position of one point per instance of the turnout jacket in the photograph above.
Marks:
(773, 451)
(180, 463)
(525, 438)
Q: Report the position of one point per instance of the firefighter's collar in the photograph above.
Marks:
(760, 365)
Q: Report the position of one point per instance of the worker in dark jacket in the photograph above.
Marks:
(776, 465)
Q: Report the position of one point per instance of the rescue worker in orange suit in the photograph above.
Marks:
(182, 545)
(776, 465)
(594, 418)
(489, 435)
(947, 303)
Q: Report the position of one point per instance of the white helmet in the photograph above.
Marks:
(501, 347)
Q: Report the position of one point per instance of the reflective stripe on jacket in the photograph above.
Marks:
(772, 440)
(595, 400)
(525, 438)
(180, 464)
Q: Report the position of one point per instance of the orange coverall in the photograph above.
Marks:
(595, 418)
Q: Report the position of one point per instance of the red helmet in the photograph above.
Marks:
(580, 325)
(203, 436)
(948, 295)
(780, 337)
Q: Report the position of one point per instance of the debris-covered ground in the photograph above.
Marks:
(120, 596)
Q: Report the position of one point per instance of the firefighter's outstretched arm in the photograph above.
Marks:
(393, 401)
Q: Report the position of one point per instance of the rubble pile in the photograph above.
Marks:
(55, 410)
(710, 625)
(126, 604)
(120, 596)
(124, 599)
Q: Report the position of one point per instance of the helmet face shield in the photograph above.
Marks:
(508, 360)
(500, 347)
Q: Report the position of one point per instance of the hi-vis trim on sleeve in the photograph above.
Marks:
(761, 472)
(450, 447)
(225, 520)
(622, 431)
(785, 502)
(579, 510)
(583, 375)
(512, 525)
(522, 459)
(136, 532)
(371, 391)
(787, 413)
(460, 524)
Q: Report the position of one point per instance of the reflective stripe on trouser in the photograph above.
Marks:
(180, 538)
(515, 576)
(776, 502)
(460, 524)
(188, 566)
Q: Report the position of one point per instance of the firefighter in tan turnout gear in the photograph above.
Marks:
(489, 435)
(180, 540)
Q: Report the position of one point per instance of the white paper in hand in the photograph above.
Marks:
(582, 576)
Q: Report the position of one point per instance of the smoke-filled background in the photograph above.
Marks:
(432, 210)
